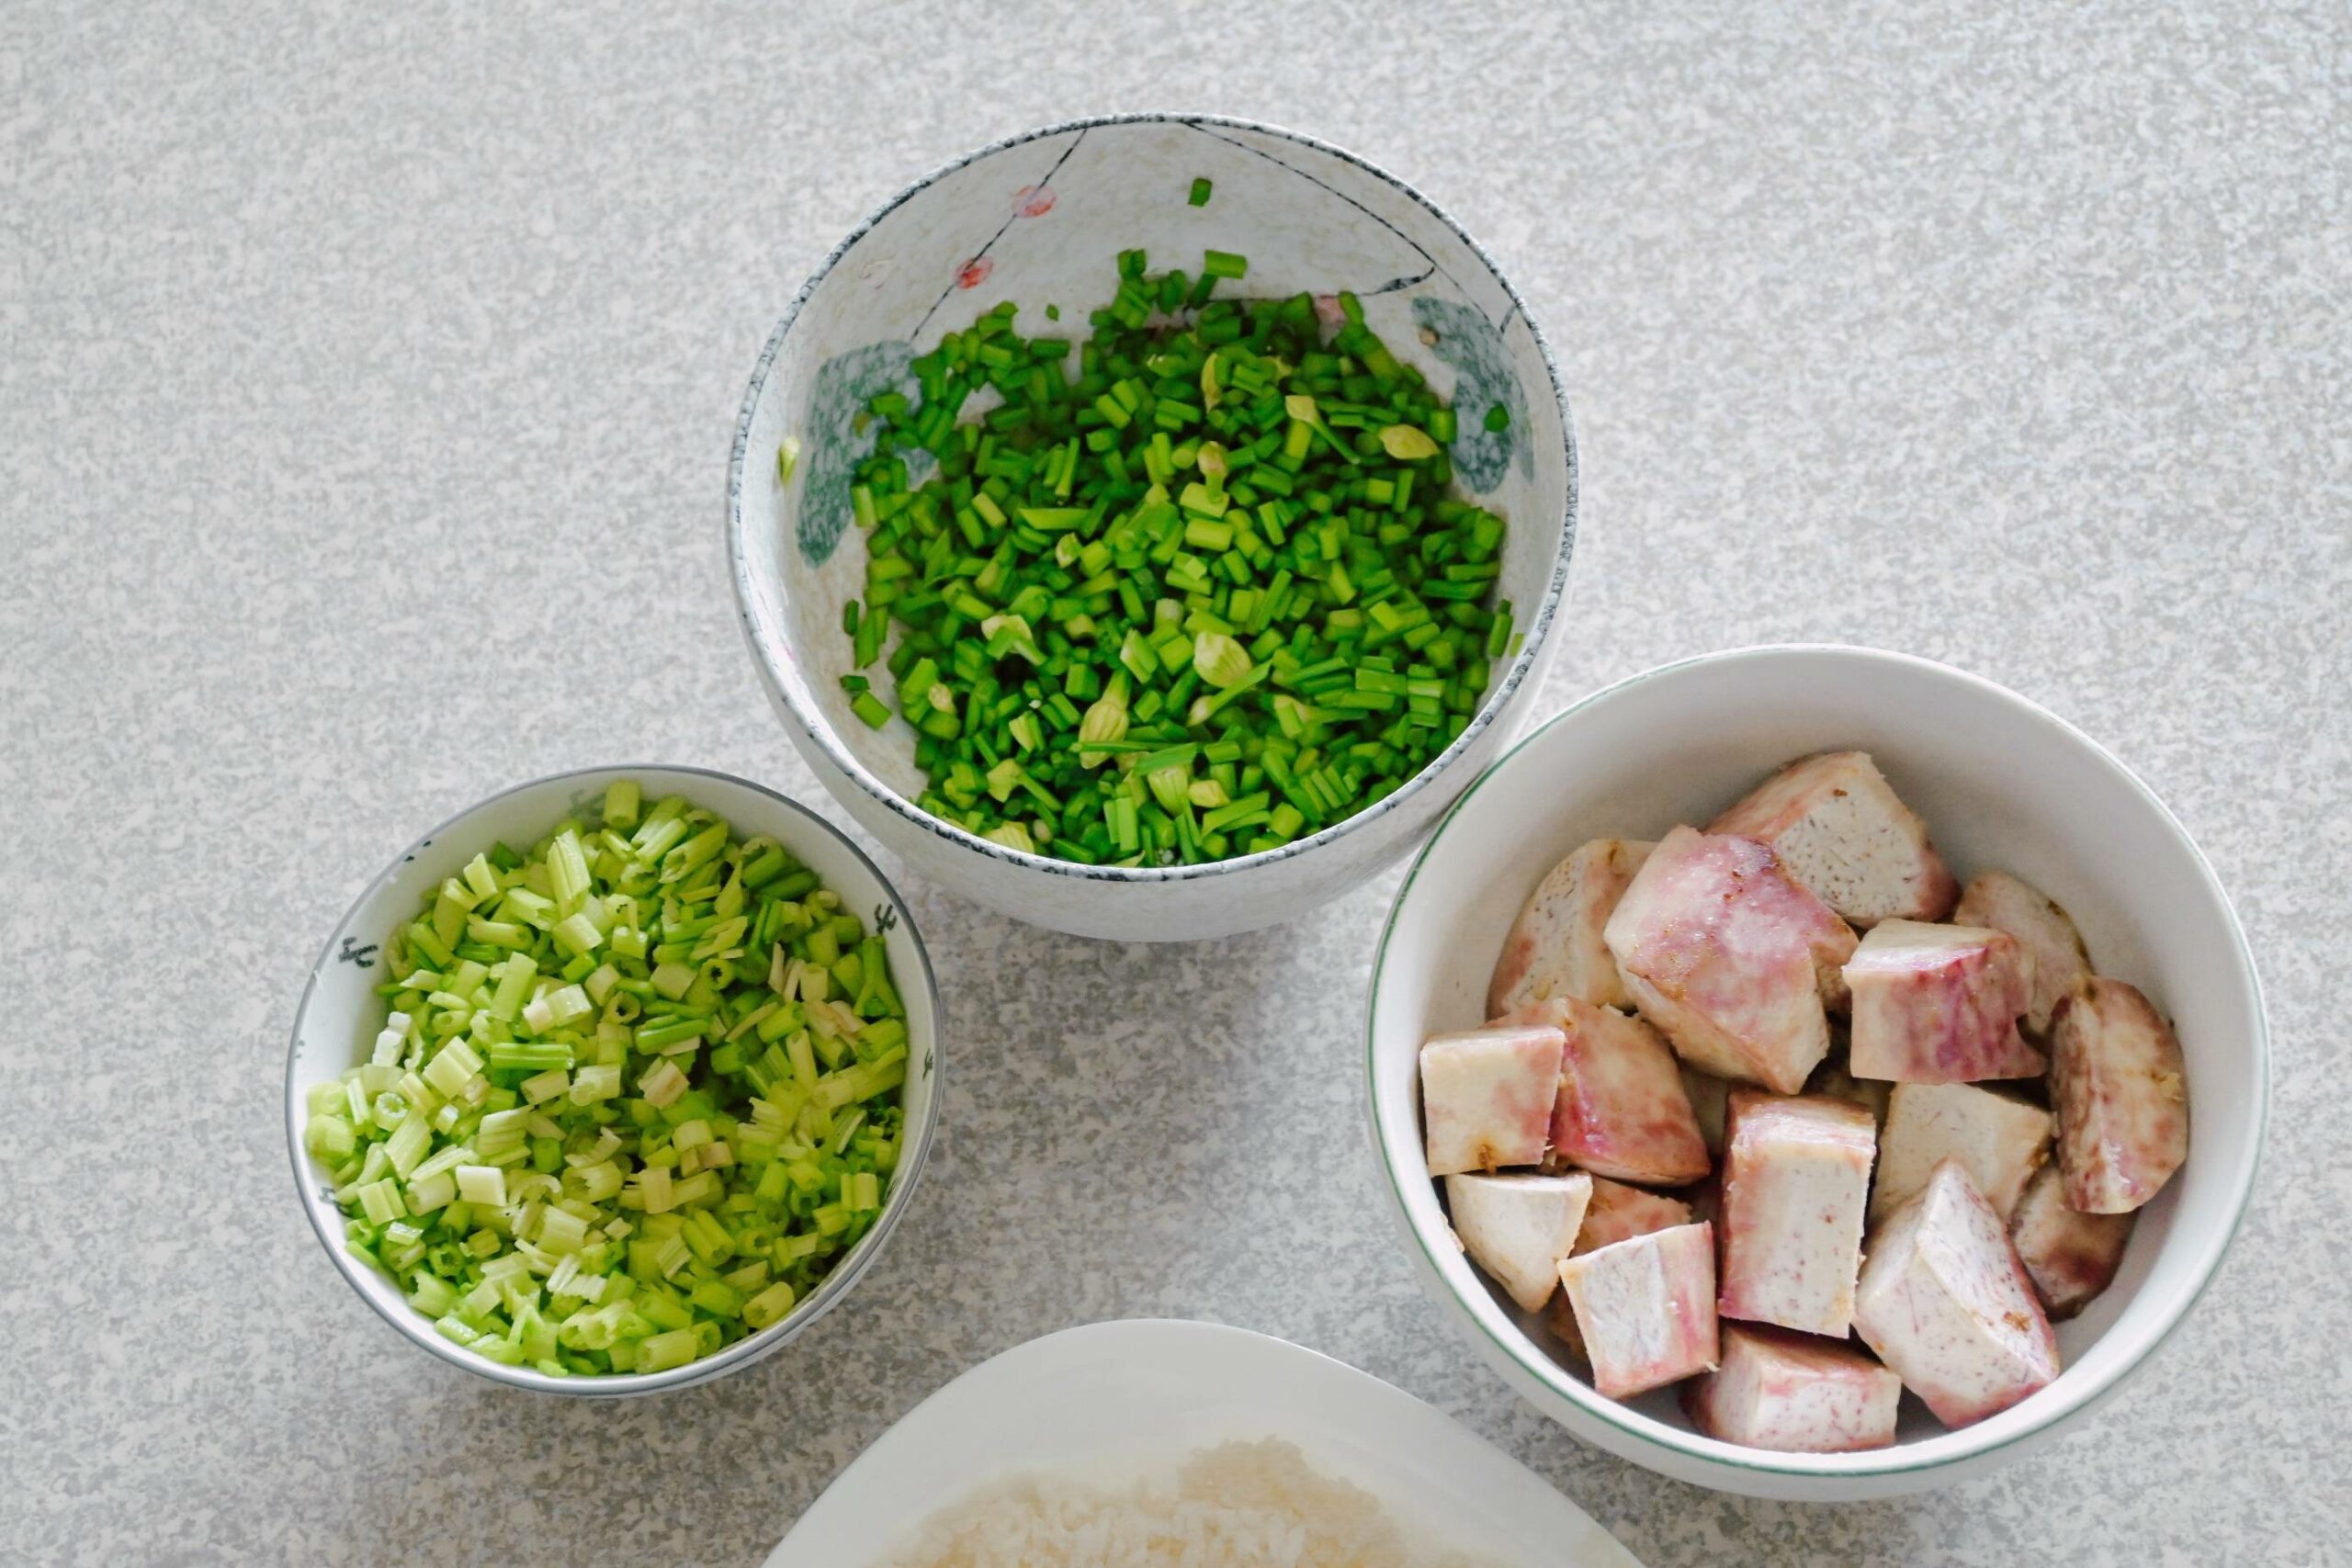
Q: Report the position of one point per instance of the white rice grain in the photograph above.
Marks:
(1236, 1506)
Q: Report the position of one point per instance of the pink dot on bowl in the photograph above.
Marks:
(974, 273)
(1031, 202)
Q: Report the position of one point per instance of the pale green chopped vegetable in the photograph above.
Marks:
(1408, 444)
(636, 1093)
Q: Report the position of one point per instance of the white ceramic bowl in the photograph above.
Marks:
(339, 1014)
(1040, 219)
(2000, 783)
(1113, 1402)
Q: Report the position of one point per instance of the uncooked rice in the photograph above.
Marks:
(1236, 1506)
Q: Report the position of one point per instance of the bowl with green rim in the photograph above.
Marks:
(341, 1012)
(1041, 219)
(2001, 783)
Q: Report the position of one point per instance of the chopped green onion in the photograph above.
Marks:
(1201, 191)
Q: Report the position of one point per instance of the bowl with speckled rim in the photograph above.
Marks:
(1040, 219)
(2001, 783)
(340, 1013)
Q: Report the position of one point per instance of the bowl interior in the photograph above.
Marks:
(2000, 784)
(1040, 221)
(340, 1013)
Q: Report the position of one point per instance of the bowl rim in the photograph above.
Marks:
(417, 1329)
(814, 731)
(2208, 1257)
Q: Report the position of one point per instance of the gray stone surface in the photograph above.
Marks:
(366, 381)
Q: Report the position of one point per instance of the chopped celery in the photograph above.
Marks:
(602, 1141)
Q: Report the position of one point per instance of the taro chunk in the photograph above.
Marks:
(1560, 1317)
(1938, 1004)
(1486, 1096)
(2117, 1081)
(1946, 1303)
(1729, 958)
(1836, 824)
(2070, 1256)
(1618, 1212)
(1620, 1110)
(1707, 1094)
(1999, 1140)
(2050, 950)
(1836, 1079)
(1796, 1178)
(1646, 1308)
(1794, 1395)
(1554, 947)
(1519, 1228)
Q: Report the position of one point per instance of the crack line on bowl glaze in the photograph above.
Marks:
(1393, 284)
(839, 756)
(1325, 184)
(1018, 213)
(830, 1291)
(1610, 1413)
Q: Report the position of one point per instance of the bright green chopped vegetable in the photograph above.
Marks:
(638, 1093)
(1201, 192)
(1197, 586)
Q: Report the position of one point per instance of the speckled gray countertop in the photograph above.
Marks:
(2018, 343)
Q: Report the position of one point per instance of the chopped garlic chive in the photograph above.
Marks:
(1219, 661)
(1013, 836)
(1214, 468)
(1408, 444)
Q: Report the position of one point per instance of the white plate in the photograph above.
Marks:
(1151, 1391)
